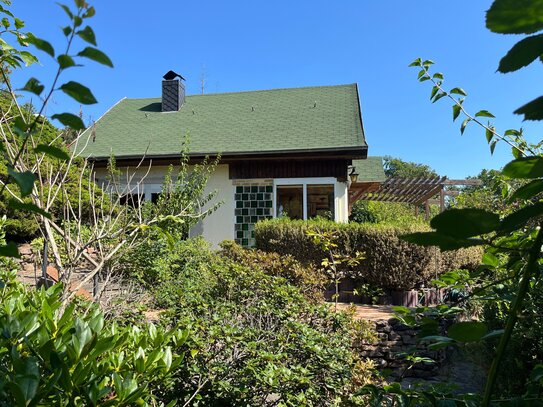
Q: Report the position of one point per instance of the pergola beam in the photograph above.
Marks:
(415, 191)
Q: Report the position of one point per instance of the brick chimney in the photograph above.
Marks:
(173, 92)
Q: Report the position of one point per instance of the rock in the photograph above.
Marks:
(25, 250)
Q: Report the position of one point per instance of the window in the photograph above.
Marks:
(320, 201)
(305, 198)
(133, 200)
(290, 201)
(154, 197)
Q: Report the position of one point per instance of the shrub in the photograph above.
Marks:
(387, 212)
(309, 280)
(255, 338)
(389, 262)
(55, 356)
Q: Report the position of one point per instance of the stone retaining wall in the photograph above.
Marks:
(394, 338)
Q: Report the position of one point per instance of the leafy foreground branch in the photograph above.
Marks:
(513, 242)
(76, 358)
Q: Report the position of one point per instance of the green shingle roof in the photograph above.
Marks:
(370, 170)
(311, 118)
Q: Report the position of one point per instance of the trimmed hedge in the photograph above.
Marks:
(389, 262)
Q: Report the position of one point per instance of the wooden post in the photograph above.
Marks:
(442, 199)
(427, 209)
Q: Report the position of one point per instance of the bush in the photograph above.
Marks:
(387, 212)
(389, 262)
(525, 349)
(255, 338)
(72, 356)
(309, 280)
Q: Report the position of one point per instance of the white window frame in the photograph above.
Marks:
(304, 182)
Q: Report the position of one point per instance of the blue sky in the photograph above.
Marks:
(243, 45)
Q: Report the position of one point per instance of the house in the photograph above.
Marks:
(283, 151)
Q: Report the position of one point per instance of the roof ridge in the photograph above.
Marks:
(256, 91)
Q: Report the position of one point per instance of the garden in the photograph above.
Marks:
(165, 320)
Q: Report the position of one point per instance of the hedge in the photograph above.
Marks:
(389, 262)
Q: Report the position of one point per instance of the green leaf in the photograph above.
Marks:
(469, 331)
(463, 125)
(456, 111)
(40, 44)
(524, 167)
(416, 62)
(490, 260)
(444, 242)
(528, 191)
(69, 120)
(458, 91)
(515, 16)
(87, 34)
(484, 113)
(96, 55)
(52, 151)
(24, 180)
(30, 207)
(77, 21)
(467, 222)
(489, 135)
(20, 126)
(9, 250)
(521, 217)
(522, 54)
(79, 92)
(19, 23)
(33, 85)
(67, 30)
(438, 96)
(493, 146)
(26, 381)
(435, 89)
(493, 334)
(437, 75)
(427, 63)
(67, 10)
(28, 58)
(65, 61)
(532, 110)
(89, 13)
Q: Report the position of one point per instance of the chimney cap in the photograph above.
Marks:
(172, 75)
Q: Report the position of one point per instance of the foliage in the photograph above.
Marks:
(255, 338)
(73, 357)
(525, 350)
(406, 265)
(385, 212)
(396, 167)
(183, 191)
(336, 263)
(310, 281)
(21, 226)
(492, 195)
(511, 271)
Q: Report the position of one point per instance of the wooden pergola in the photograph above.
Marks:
(416, 191)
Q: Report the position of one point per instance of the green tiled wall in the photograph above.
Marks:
(253, 203)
